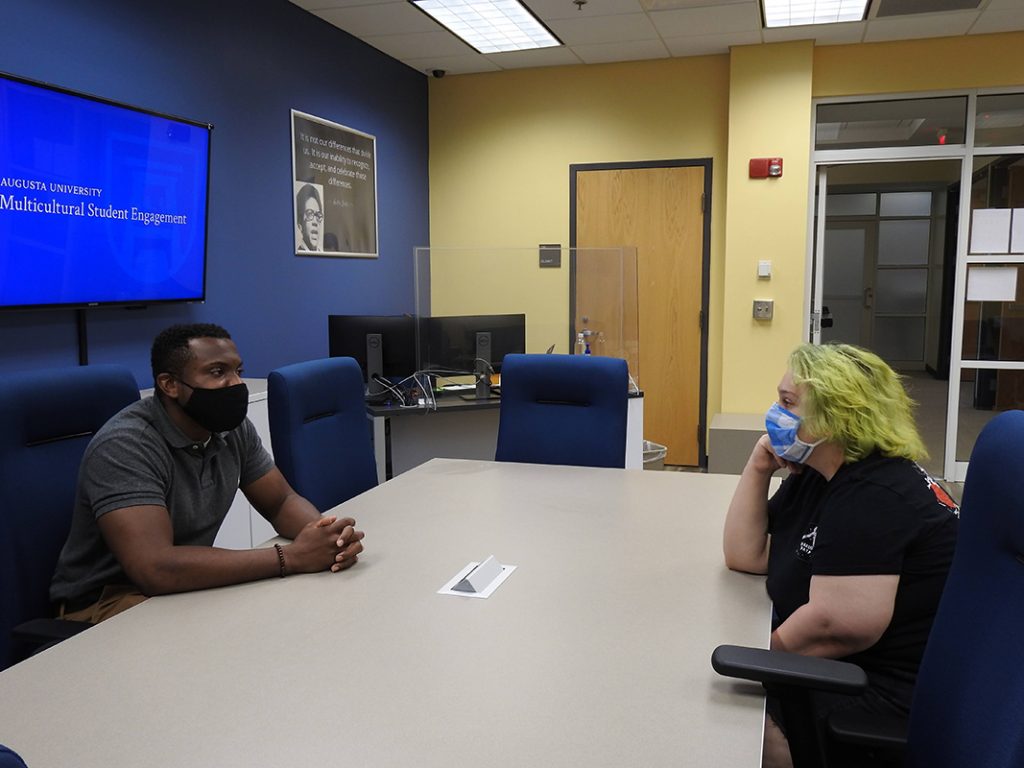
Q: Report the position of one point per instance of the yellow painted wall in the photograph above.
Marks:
(494, 281)
(976, 61)
(769, 116)
(501, 145)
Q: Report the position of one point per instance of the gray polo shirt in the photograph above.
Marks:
(140, 457)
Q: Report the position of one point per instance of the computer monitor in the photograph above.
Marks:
(471, 344)
(383, 345)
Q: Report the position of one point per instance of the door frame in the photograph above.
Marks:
(705, 289)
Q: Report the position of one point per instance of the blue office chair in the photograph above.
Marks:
(46, 420)
(10, 759)
(319, 430)
(563, 409)
(969, 698)
(970, 688)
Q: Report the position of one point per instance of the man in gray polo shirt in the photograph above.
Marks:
(156, 483)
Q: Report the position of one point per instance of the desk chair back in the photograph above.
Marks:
(10, 759)
(46, 421)
(968, 705)
(563, 409)
(319, 430)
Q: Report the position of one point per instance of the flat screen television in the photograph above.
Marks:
(100, 203)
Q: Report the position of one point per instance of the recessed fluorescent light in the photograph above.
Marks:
(793, 13)
(490, 26)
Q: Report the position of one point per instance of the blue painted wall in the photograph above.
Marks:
(240, 66)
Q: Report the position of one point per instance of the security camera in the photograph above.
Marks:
(438, 73)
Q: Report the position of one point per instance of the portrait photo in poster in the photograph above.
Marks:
(334, 194)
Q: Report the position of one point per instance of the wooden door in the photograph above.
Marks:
(659, 211)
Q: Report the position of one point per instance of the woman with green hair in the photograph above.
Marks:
(857, 541)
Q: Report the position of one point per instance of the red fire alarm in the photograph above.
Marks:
(765, 167)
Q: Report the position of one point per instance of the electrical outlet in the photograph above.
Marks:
(763, 309)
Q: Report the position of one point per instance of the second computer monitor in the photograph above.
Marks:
(383, 345)
(471, 343)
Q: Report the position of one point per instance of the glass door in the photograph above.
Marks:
(881, 275)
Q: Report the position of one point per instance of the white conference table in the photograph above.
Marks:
(594, 652)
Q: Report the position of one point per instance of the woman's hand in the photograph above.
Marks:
(764, 460)
(745, 538)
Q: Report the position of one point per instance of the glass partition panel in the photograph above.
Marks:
(930, 395)
(852, 204)
(899, 338)
(997, 197)
(906, 204)
(1000, 120)
(896, 123)
(575, 300)
(984, 394)
(903, 241)
(902, 291)
(994, 312)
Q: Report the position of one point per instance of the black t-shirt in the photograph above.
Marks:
(878, 515)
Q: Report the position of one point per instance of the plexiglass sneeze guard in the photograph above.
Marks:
(575, 300)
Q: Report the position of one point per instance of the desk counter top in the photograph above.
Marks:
(447, 402)
(595, 651)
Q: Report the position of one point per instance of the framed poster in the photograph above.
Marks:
(334, 194)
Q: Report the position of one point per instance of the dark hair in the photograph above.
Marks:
(170, 350)
(308, 191)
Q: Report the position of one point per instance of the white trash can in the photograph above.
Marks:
(654, 455)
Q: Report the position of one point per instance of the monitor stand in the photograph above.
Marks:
(375, 391)
(490, 396)
(482, 366)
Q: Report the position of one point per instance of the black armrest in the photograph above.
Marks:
(869, 729)
(795, 677)
(37, 634)
(791, 669)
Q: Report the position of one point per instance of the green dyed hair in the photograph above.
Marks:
(851, 396)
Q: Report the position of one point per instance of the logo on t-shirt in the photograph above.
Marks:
(803, 551)
(943, 498)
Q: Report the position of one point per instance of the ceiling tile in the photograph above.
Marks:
(419, 45)
(321, 5)
(542, 57)
(453, 65)
(619, 30)
(823, 34)
(719, 19)
(383, 19)
(921, 25)
(603, 53)
(703, 45)
(667, 5)
(604, 29)
(566, 9)
(313, 5)
(998, 21)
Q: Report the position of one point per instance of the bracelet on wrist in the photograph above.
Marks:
(280, 560)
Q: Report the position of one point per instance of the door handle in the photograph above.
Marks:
(869, 298)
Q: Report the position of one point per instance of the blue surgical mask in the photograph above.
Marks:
(782, 426)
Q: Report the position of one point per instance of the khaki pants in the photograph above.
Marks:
(113, 600)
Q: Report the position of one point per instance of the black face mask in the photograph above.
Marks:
(220, 409)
